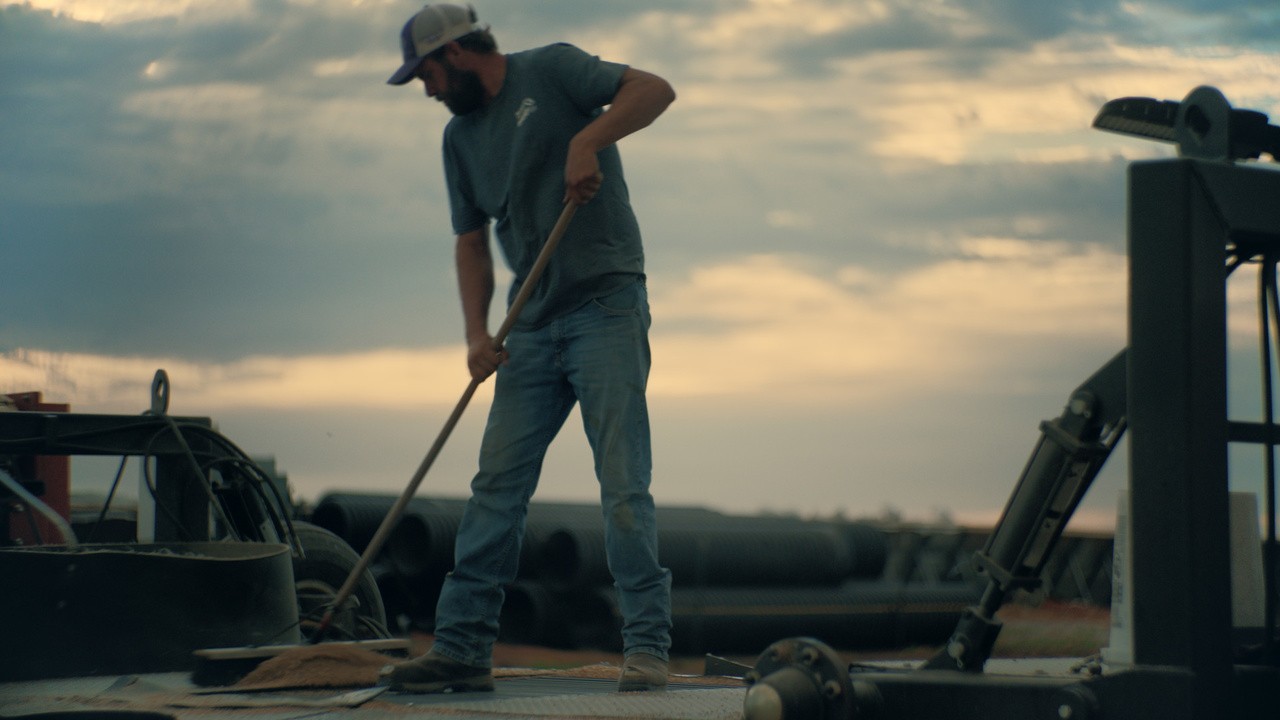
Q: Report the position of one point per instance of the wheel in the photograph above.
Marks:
(318, 576)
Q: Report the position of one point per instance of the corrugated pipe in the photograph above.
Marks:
(725, 554)
(355, 517)
(535, 614)
(855, 616)
(421, 545)
(858, 615)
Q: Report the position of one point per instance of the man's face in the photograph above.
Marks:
(460, 90)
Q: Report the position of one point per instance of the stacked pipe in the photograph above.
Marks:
(738, 582)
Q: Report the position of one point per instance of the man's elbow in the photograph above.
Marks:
(662, 91)
(655, 89)
(668, 92)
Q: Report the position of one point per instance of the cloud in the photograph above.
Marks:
(763, 329)
(125, 11)
(209, 215)
(241, 169)
(385, 379)
(868, 225)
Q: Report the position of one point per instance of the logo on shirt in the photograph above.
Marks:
(527, 108)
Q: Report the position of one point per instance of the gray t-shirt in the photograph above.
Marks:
(505, 162)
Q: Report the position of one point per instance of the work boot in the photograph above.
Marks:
(435, 673)
(642, 671)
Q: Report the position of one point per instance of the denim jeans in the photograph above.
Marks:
(597, 357)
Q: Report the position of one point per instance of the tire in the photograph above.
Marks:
(318, 576)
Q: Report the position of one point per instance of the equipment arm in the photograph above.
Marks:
(1067, 458)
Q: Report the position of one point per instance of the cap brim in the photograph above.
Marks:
(406, 72)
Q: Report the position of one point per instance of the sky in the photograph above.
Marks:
(883, 242)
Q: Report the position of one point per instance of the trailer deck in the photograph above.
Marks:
(567, 694)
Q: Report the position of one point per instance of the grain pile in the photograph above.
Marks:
(317, 666)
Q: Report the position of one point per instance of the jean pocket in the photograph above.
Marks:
(623, 303)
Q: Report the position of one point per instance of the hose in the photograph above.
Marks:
(59, 522)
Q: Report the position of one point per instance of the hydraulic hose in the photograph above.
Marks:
(59, 522)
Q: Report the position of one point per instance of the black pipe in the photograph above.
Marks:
(726, 552)
(858, 615)
(355, 517)
(421, 545)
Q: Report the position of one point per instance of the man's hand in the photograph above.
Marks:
(483, 358)
(640, 99)
(582, 178)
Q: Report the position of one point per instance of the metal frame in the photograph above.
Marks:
(1182, 216)
(1187, 218)
(56, 433)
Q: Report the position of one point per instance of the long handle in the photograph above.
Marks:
(393, 515)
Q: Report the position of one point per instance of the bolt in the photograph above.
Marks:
(752, 677)
(809, 655)
(1065, 712)
(831, 689)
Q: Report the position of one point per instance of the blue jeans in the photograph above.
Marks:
(598, 357)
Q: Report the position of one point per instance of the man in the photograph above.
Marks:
(530, 134)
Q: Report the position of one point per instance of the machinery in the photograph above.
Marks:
(223, 536)
(1192, 222)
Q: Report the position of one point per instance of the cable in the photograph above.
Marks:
(1271, 586)
(206, 486)
(29, 514)
(67, 446)
(35, 503)
(161, 507)
(240, 460)
(106, 505)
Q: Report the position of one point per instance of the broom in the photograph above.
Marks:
(297, 656)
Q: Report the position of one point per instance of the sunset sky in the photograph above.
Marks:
(883, 242)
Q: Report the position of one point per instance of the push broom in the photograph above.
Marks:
(397, 509)
(393, 515)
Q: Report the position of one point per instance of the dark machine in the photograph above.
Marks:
(226, 562)
(1192, 222)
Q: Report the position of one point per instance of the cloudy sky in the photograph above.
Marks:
(883, 241)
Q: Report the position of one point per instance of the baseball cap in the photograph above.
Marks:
(431, 29)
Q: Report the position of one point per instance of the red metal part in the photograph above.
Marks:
(53, 471)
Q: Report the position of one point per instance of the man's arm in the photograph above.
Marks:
(640, 99)
(475, 284)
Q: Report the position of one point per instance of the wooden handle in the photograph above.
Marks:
(397, 509)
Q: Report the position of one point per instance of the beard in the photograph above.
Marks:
(465, 93)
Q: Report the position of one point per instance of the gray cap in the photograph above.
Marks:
(431, 29)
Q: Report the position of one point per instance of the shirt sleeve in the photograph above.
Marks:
(464, 214)
(589, 82)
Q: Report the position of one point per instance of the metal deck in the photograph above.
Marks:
(172, 695)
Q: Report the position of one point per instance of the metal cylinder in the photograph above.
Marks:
(860, 615)
(127, 608)
(355, 517)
